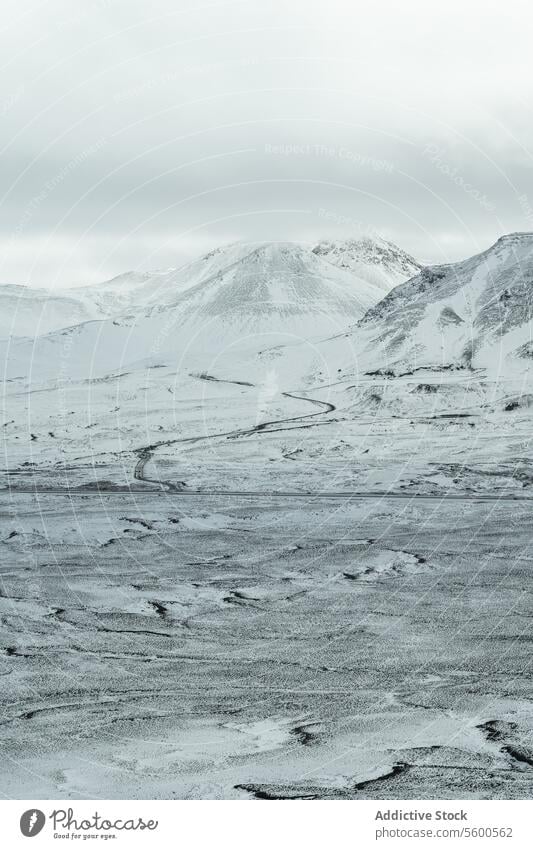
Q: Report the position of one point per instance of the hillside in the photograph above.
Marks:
(467, 315)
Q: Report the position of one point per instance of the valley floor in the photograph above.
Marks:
(164, 646)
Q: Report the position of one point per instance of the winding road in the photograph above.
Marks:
(146, 453)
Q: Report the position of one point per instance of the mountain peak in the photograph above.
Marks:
(518, 241)
(380, 262)
(519, 236)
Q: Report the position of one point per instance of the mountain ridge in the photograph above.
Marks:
(136, 291)
(451, 314)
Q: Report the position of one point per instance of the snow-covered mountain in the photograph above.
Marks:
(136, 291)
(32, 312)
(471, 314)
(275, 286)
(379, 262)
(266, 295)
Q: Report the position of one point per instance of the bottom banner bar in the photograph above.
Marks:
(247, 824)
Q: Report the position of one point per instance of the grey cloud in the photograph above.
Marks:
(139, 135)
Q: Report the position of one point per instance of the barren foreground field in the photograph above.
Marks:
(158, 645)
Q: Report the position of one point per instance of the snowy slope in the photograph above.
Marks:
(28, 312)
(277, 285)
(471, 314)
(379, 262)
(136, 291)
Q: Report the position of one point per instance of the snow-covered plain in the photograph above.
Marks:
(299, 503)
(222, 647)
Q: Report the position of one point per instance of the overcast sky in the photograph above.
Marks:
(141, 134)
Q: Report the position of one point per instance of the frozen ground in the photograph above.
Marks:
(164, 645)
(246, 427)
